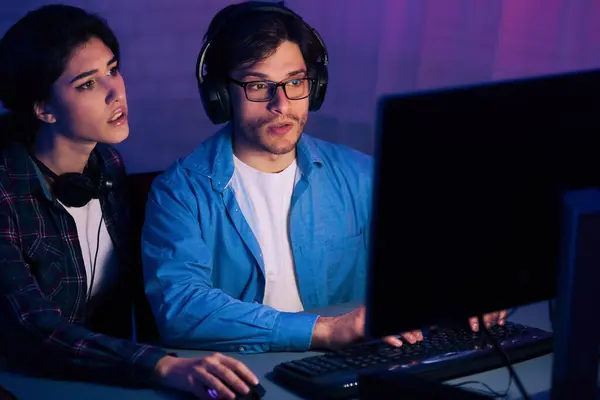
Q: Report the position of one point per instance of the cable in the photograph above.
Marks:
(504, 357)
(95, 257)
(93, 271)
(488, 389)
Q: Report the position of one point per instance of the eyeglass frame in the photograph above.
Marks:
(282, 84)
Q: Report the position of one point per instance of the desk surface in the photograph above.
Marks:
(535, 374)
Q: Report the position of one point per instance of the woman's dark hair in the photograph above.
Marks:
(253, 36)
(33, 54)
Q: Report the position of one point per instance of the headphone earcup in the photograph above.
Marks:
(77, 189)
(317, 95)
(74, 190)
(215, 99)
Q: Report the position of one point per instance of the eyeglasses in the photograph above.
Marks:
(294, 89)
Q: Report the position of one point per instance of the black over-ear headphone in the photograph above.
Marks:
(74, 189)
(214, 93)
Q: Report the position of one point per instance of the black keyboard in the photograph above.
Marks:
(444, 354)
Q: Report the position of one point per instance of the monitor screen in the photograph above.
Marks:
(467, 205)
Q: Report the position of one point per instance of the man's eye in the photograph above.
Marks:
(258, 86)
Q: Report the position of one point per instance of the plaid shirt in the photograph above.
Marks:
(43, 282)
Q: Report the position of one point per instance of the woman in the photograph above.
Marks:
(63, 218)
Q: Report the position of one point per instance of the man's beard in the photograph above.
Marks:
(251, 133)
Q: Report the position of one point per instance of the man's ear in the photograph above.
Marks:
(43, 111)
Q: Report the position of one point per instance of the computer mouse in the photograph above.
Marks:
(256, 392)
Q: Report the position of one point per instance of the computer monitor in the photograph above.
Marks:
(468, 196)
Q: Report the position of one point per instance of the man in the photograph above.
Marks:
(261, 221)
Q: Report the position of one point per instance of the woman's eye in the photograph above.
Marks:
(87, 85)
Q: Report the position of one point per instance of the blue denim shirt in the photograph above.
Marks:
(203, 269)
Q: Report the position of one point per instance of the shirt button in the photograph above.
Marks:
(241, 348)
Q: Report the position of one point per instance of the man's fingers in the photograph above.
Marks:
(393, 341)
(474, 324)
(487, 320)
(490, 319)
(413, 337)
(409, 337)
(502, 317)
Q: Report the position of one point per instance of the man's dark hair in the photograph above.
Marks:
(34, 53)
(253, 36)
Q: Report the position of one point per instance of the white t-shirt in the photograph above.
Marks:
(88, 219)
(265, 199)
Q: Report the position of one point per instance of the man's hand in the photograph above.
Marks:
(200, 376)
(334, 333)
(491, 319)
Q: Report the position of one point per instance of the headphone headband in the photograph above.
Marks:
(243, 8)
(214, 94)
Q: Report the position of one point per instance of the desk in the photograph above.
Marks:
(535, 374)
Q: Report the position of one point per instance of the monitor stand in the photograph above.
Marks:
(575, 319)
